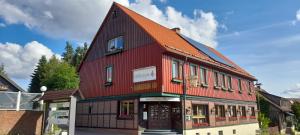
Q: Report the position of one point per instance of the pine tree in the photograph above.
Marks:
(85, 48)
(79, 55)
(37, 76)
(69, 53)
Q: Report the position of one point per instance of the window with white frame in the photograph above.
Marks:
(216, 79)
(126, 109)
(223, 81)
(200, 115)
(249, 88)
(203, 75)
(220, 111)
(240, 85)
(175, 69)
(115, 44)
(229, 82)
(252, 111)
(193, 70)
(109, 72)
(242, 111)
(232, 111)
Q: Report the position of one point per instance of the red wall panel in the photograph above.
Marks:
(92, 73)
(177, 88)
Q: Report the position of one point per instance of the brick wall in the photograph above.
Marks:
(21, 122)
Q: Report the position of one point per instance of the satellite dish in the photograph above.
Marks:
(43, 88)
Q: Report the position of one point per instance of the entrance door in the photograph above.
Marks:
(159, 116)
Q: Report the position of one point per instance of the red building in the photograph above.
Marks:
(135, 74)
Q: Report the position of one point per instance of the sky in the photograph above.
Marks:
(262, 36)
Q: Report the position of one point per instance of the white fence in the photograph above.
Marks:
(19, 101)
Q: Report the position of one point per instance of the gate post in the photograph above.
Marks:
(18, 101)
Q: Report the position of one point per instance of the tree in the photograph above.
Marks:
(69, 53)
(79, 55)
(2, 70)
(296, 111)
(60, 75)
(38, 75)
(265, 121)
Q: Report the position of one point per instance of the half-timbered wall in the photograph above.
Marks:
(104, 114)
(171, 87)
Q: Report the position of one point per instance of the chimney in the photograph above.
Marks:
(176, 29)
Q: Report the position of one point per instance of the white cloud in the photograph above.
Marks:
(19, 60)
(79, 20)
(163, 1)
(69, 19)
(13, 15)
(294, 22)
(202, 27)
(2, 25)
(298, 15)
(298, 85)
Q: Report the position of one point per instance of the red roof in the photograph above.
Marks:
(169, 39)
(58, 95)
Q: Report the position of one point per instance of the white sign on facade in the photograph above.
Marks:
(145, 116)
(155, 99)
(144, 74)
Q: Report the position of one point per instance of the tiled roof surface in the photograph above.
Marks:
(58, 95)
(169, 39)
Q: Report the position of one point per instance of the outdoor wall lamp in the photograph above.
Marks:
(188, 110)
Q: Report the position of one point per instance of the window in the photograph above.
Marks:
(176, 70)
(193, 70)
(216, 79)
(203, 76)
(249, 88)
(115, 44)
(229, 83)
(252, 112)
(223, 81)
(126, 109)
(109, 73)
(220, 132)
(242, 110)
(114, 14)
(232, 112)
(240, 85)
(233, 131)
(200, 115)
(220, 112)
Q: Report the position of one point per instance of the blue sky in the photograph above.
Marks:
(261, 36)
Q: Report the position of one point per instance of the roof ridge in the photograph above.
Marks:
(119, 5)
(12, 82)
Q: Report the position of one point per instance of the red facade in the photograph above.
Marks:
(171, 87)
(92, 74)
(141, 50)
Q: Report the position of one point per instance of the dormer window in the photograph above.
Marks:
(115, 45)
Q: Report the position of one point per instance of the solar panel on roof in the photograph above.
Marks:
(203, 48)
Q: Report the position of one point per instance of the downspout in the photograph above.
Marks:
(184, 96)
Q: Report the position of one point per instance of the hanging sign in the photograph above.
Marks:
(144, 74)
